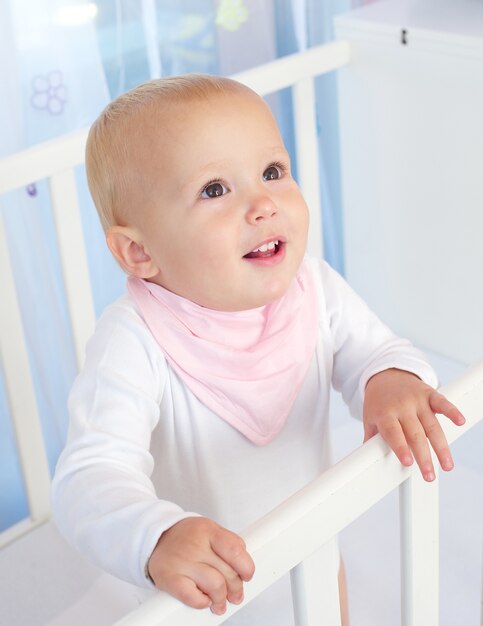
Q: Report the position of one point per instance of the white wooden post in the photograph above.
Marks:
(21, 397)
(419, 510)
(73, 257)
(315, 588)
(307, 149)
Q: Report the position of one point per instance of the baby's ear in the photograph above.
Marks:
(125, 244)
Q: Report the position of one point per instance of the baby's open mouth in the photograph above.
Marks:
(266, 250)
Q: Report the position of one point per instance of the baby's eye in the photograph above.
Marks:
(214, 190)
(274, 172)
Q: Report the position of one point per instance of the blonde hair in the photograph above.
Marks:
(108, 143)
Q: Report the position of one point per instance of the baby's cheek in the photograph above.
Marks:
(299, 210)
(211, 255)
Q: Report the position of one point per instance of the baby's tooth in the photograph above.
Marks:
(267, 246)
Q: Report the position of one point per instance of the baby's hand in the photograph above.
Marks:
(201, 564)
(402, 409)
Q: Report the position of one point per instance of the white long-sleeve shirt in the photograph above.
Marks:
(143, 452)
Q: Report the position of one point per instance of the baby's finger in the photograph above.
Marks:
(213, 584)
(440, 404)
(232, 549)
(186, 590)
(234, 584)
(438, 441)
(418, 442)
(392, 433)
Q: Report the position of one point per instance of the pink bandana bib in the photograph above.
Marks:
(246, 366)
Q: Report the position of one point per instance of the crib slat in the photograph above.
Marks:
(73, 258)
(315, 588)
(308, 159)
(419, 511)
(21, 395)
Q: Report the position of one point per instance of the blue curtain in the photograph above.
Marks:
(61, 63)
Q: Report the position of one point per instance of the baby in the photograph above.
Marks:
(204, 399)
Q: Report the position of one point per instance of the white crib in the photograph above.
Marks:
(33, 552)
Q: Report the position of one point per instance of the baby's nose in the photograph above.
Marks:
(261, 208)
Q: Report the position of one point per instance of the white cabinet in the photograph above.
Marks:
(411, 130)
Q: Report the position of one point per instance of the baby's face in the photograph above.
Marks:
(225, 224)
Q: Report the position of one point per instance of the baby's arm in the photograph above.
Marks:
(402, 408)
(384, 379)
(103, 498)
(201, 564)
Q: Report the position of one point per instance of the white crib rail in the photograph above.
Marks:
(287, 537)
